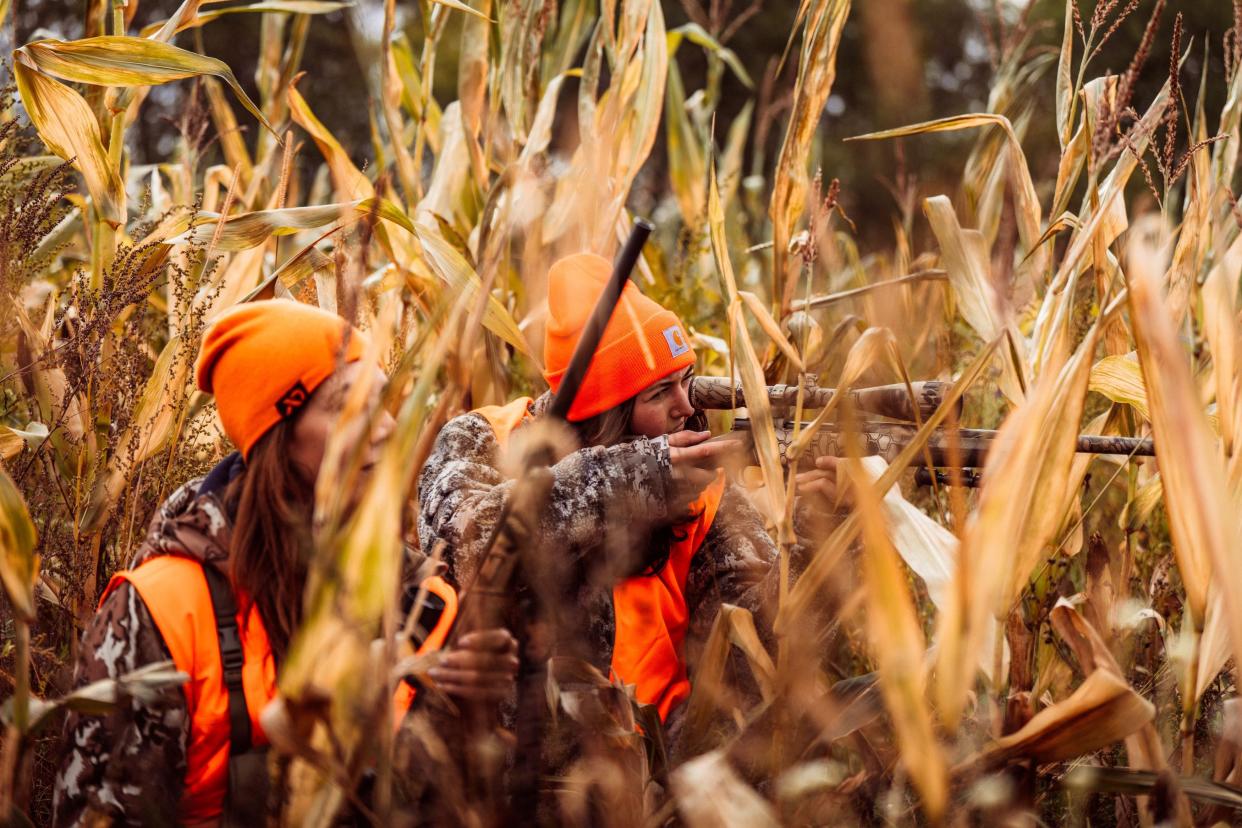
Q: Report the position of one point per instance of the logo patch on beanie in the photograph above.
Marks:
(676, 340)
(293, 399)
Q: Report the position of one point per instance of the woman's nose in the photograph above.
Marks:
(681, 402)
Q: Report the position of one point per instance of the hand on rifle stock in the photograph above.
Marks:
(827, 490)
(695, 464)
(482, 666)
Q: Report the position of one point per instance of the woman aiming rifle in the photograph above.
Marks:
(641, 516)
(233, 546)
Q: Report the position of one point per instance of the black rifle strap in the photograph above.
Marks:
(231, 657)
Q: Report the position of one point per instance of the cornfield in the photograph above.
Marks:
(1056, 645)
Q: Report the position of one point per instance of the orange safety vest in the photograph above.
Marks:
(651, 610)
(175, 592)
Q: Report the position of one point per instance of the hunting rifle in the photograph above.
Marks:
(964, 449)
(510, 556)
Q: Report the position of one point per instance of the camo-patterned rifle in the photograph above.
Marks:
(964, 448)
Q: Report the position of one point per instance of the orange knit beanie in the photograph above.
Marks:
(263, 360)
(619, 369)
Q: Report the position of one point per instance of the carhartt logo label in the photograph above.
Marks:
(293, 399)
(676, 340)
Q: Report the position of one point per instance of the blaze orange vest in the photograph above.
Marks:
(651, 610)
(174, 590)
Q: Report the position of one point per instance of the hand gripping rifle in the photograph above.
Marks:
(965, 449)
(511, 560)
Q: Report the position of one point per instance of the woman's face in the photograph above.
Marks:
(663, 407)
(321, 417)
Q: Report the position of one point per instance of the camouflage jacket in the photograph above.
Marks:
(603, 501)
(105, 756)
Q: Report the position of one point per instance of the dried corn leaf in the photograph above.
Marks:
(1065, 81)
(246, 230)
(1202, 517)
(457, 273)
(697, 35)
(99, 698)
(1144, 749)
(1020, 510)
(1220, 328)
(964, 255)
(1120, 378)
(1026, 202)
(262, 7)
(1103, 710)
(350, 182)
(747, 360)
(422, 108)
(118, 60)
(805, 592)
(1214, 645)
(817, 70)
(929, 549)
(19, 565)
(68, 127)
(687, 161)
(898, 648)
(773, 330)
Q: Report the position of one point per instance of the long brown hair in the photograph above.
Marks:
(272, 504)
(607, 428)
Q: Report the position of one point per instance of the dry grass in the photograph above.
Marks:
(1074, 611)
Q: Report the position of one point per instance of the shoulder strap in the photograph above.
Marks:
(231, 657)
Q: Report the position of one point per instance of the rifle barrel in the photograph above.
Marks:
(965, 447)
(893, 401)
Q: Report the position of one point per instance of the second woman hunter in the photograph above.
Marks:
(654, 539)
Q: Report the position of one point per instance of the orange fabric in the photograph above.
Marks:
(175, 592)
(505, 418)
(435, 640)
(651, 610)
(263, 360)
(652, 616)
(620, 367)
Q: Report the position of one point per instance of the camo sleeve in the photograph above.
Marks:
(127, 767)
(739, 561)
(737, 564)
(610, 494)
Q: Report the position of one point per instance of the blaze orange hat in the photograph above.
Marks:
(263, 360)
(619, 369)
